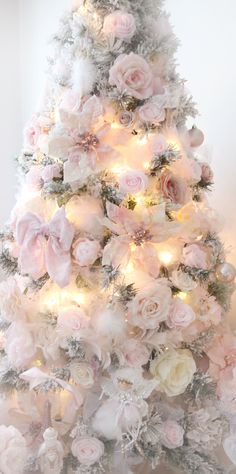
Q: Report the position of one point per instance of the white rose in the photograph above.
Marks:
(20, 346)
(133, 182)
(150, 306)
(174, 370)
(88, 450)
(86, 251)
(13, 451)
(120, 24)
(183, 281)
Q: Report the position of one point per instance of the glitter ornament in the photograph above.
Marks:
(225, 272)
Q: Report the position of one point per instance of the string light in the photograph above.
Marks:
(146, 165)
(182, 295)
(133, 247)
(143, 141)
(165, 257)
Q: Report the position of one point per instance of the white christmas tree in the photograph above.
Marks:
(116, 356)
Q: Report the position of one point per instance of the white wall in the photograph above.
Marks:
(206, 29)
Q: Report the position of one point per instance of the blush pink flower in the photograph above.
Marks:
(180, 315)
(222, 353)
(173, 187)
(50, 172)
(20, 346)
(150, 112)
(31, 133)
(86, 251)
(207, 173)
(136, 232)
(133, 182)
(70, 102)
(119, 24)
(196, 257)
(158, 144)
(72, 320)
(135, 352)
(87, 450)
(34, 178)
(150, 306)
(172, 434)
(132, 75)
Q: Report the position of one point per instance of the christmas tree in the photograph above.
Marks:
(116, 356)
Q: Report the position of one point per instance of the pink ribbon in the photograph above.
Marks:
(36, 377)
(45, 247)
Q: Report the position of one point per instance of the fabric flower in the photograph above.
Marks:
(135, 353)
(20, 345)
(87, 450)
(13, 451)
(172, 434)
(132, 75)
(195, 256)
(151, 112)
(222, 353)
(120, 25)
(180, 315)
(34, 178)
(183, 281)
(158, 144)
(50, 172)
(133, 182)
(12, 301)
(150, 306)
(71, 321)
(137, 232)
(174, 370)
(82, 373)
(86, 251)
(207, 173)
(173, 188)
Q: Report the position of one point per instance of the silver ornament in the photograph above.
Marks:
(196, 137)
(225, 272)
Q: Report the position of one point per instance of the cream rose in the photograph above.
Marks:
(120, 25)
(86, 251)
(133, 182)
(132, 75)
(181, 315)
(174, 370)
(82, 373)
(173, 187)
(172, 435)
(13, 451)
(150, 306)
(183, 281)
(88, 450)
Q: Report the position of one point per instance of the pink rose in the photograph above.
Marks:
(70, 102)
(20, 346)
(152, 113)
(135, 352)
(126, 118)
(173, 187)
(34, 178)
(120, 25)
(181, 315)
(194, 256)
(150, 306)
(133, 182)
(172, 435)
(72, 320)
(207, 173)
(86, 251)
(88, 450)
(132, 75)
(50, 172)
(158, 144)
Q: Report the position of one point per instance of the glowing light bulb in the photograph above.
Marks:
(140, 200)
(143, 141)
(115, 125)
(79, 299)
(182, 295)
(146, 165)
(117, 170)
(133, 247)
(165, 257)
(129, 268)
(38, 363)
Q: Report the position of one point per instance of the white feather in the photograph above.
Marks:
(83, 76)
(110, 323)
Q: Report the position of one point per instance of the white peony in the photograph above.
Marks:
(13, 451)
